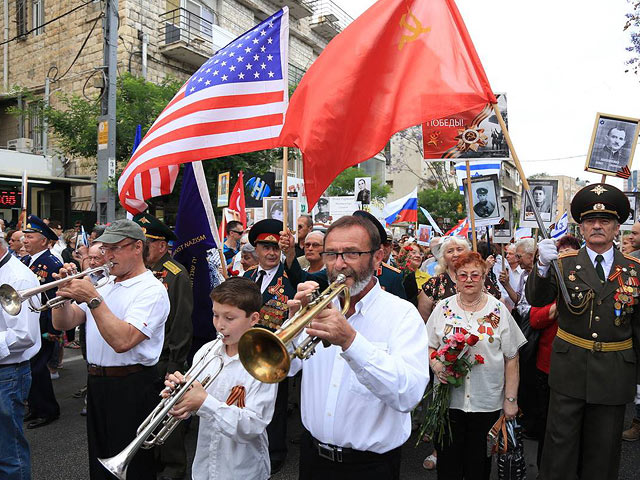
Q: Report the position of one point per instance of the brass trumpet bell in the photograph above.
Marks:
(265, 355)
(10, 300)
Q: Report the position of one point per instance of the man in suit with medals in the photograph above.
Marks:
(276, 290)
(43, 407)
(594, 355)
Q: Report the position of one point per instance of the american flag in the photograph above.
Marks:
(234, 103)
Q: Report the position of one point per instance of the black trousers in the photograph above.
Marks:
(115, 408)
(171, 456)
(385, 466)
(582, 440)
(42, 400)
(277, 429)
(542, 392)
(464, 454)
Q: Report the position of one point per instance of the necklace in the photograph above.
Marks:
(472, 304)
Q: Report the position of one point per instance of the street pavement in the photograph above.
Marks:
(59, 450)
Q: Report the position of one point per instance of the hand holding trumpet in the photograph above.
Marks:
(191, 401)
(79, 289)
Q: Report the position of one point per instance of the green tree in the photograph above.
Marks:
(344, 184)
(442, 204)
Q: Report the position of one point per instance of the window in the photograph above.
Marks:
(21, 16)
(198, 18)
(38, 17)
(295, 75)
(35, 125)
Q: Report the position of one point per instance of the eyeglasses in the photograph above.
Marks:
(115, 249)
(475, 276)
(312, 245)
(236, 232)
(346, 256)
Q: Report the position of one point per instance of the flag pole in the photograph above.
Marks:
(22, 219)
(525, 186)
(285, 187)
(471, 212)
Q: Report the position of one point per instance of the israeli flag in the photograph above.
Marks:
(562, 226)
(476, 168)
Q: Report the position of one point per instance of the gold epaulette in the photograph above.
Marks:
(252, 267)
(571, 253)
(392, 268)
(632, 258)
(172, 267)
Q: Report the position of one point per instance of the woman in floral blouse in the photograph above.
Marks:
(442, 285)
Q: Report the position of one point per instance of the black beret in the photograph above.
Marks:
(600, 200)
(154, 228)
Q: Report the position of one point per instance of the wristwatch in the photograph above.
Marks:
(94, 302)
(511, 399)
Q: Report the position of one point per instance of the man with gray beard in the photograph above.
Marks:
(359, 390)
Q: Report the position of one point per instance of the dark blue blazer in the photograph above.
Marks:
(44, 267)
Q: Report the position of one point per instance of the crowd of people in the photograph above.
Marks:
(562, 364)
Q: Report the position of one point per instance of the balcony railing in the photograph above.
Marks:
(328, 18)
(186, 36)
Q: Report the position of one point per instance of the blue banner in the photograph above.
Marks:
(196, 249)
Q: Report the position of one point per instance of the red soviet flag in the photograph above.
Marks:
(236, 209)
(400, 64)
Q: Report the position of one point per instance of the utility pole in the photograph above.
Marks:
(105, 197)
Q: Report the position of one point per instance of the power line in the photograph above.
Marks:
(47, 23)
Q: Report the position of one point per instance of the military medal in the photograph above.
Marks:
(572, 276)
(617, 321)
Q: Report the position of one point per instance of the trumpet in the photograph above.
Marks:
(265, 354)
(146, 435)
(11, 300)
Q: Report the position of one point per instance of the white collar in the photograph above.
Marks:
(130, 281)
(271, 271)
(35, 256)
(365, 302)
(608, 255)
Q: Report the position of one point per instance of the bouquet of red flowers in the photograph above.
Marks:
(457, 362)
(402, 260)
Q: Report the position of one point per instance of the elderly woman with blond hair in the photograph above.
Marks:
(442, 285)
(489, 388)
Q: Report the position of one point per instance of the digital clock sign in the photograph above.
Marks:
(10, 197)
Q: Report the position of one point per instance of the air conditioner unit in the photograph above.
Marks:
(20, 144)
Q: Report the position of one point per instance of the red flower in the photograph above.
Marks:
(472, 340)
(434, 354)
(408, 248)
(450, 357)
(479, 359)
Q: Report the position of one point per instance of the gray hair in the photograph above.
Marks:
(317, 233)
(250, 249)
(442, 266)
(528, 245)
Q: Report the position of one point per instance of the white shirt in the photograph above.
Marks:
(483, 389)
(20, 335)
(232, 441)
(268, 276)
(141, 301)
(362, 398)
(607, 263)
(515, 275)
(35, 257)
(57, 249)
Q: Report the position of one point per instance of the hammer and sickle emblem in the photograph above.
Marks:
(415, 30)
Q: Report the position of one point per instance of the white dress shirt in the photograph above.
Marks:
(362, 398)
(607, 263)
(515, 275)
(268, 276)
(19, 335)
(483, 388)
(232, 441)
(141, 301)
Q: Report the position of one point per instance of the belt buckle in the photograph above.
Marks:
(597, 346)
(330, 453)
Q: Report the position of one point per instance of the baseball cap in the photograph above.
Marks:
(121, 229)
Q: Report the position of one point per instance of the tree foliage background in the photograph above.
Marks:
(441, 203)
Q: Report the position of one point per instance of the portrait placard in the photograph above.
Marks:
(485, 195)
(424, 234)
(613, 143)
(633, 212)
(503, 231)
(273, 209)
(223, 189)
(545, 198)
(362, 189)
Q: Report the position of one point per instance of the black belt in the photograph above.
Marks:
(346, 454)
(19, 364)
(123, 371)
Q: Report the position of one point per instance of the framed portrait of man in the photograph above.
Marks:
(273, 209)
(613, 143)
(633, 211)
(503, 231)
(485, 199)
(223, 189)
(321, 212)
(545, 200)
(362, 188)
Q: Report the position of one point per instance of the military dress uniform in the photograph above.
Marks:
(594, 355)
(178, 334)
(43, 406)
(273, 313)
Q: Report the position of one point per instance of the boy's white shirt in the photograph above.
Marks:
(232, 441)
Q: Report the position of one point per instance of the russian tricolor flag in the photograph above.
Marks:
(404, 209)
